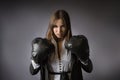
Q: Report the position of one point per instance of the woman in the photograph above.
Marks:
(61, 63)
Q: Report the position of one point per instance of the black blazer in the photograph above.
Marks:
(76, 73)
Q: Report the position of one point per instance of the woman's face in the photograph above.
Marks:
(59, 29)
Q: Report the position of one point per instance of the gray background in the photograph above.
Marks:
(22, 21)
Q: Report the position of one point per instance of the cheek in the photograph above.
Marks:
(64, 30)
(54, 30)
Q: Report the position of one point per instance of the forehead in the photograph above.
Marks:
(58, 22)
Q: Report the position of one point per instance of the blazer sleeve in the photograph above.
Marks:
(32, 70)
(87, 65)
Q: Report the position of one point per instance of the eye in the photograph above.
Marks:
(54, 26)
(63, 26)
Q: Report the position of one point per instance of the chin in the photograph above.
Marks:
(61, 38)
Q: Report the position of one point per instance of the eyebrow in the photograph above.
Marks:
(56, 25)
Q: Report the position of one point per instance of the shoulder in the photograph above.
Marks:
(80, 37)
(40, 40)
(36, 40)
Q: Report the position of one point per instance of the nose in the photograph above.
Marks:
(59, 30)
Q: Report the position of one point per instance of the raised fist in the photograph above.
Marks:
(41, 49)
(78, 45)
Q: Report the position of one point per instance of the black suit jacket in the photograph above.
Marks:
(76, 73)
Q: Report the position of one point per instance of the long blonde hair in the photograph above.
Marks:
(59, 14)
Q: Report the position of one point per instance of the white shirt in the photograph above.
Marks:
(56, 65)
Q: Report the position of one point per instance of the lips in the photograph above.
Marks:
(59, 34)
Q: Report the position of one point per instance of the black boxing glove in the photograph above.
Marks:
(41, 49)
(78, 45)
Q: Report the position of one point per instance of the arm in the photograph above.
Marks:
(78, 45)
(34, 68)
(41, 49)
(87, 65)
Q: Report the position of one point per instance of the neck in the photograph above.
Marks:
(60, 39)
